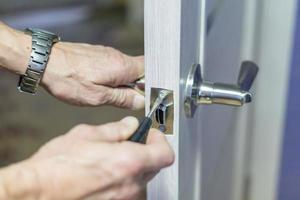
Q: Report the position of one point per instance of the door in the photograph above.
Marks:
(178, 34)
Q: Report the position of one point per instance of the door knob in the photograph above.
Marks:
(199, 91)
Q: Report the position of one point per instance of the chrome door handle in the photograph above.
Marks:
(199, 91)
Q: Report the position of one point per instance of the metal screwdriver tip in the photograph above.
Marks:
(163, 94)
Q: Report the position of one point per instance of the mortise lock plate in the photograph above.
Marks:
(164, 114)
(199, 91)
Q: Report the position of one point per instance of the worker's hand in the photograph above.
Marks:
(80, 74)
(92, 75)
(96, 162)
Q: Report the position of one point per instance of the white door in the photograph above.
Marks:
(178, 34)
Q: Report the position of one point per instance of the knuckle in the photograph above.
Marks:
(118, 57)
(134, 192)
(97, 97)
(59, 92)
(112, 78)
(81, 128)
(128, 157)
(131, 162)
(120, 65)
(131, 191)
(111, 132)
(86, 78)
(105, 96)
(95, 102)
(137, 166)
(170, 158)
(119, 98)
(90, 77)
(123, 128)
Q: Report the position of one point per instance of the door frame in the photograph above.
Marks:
(173, 43)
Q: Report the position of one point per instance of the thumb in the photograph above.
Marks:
(117, 131)
(110, 132)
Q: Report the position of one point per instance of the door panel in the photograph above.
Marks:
(172, 46)
(176, 38)
(222, 63)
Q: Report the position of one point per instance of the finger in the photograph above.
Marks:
(133, 69)
(118, 131)
(125, 98)
(110, 132)
(149, 176)
(138, 62)
(126, 71)
(159, 151)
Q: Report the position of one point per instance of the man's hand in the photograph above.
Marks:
(92, 75)
(95, 162)
(80, 74)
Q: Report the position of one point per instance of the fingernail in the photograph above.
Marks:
(138, 102)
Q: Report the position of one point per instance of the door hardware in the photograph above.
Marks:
(164, 114)
(141, 133)
(199, 91)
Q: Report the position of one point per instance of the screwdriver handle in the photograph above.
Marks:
(140, 134)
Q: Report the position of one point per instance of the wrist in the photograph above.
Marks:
(42, 43)
(53, 74)
(15, 48)
(18, 181)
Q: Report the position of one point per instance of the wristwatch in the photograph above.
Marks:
(42, 42)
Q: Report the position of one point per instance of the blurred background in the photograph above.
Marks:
(27, 122)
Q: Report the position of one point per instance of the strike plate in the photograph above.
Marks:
(164, 115)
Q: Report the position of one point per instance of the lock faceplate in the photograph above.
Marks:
(164, 115)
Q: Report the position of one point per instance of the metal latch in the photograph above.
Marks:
(164, 114)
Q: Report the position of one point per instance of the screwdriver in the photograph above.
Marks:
(141, 133)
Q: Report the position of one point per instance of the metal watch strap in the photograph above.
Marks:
(41, 48)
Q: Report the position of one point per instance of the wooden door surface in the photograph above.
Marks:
(178, 34)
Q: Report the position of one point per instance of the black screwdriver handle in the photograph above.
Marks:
(141, 133)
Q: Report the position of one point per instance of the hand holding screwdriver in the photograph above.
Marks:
(144, 127)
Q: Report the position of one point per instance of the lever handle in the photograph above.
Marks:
(198, 91)
(220, 93)
(247, 75)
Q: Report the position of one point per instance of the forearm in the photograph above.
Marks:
(15, 48)
(18, 182)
